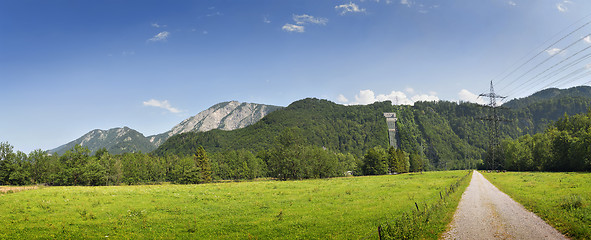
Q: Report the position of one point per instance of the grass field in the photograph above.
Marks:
(561, 199)
(338, 208)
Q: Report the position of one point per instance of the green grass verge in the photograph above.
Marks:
(561, 199)
(338, 208)
(430, 218)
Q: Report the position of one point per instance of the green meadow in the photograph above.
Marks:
(561, 199)
(336, 208)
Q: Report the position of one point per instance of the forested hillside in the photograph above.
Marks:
(449, 134)
(348, 129)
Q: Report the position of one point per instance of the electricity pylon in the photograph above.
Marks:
(492, 161)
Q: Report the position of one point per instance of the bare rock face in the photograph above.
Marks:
(225, 116)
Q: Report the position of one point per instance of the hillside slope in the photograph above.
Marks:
(115, 140)
(449, 134)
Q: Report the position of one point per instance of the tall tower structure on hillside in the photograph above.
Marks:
(493, 161)
(391, 121)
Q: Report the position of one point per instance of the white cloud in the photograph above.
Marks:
(342, 99)
(266, 20)
(468, 96)
(156, 25)
(161, 104)
(214, 14)
(347, 8)
(396, 97)
(365, 97)
(305, 18)
(424, 97)
(553, 51)
(511, 3)
(405, 2)
(562, 6)
(587, 39)
(409, 90)
(288, 27)
(160, 37)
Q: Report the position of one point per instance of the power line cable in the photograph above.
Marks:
(588, 73)
(551, 45)
(546, 60)
(542, 51)
(547, 69)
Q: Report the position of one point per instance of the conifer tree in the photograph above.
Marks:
(203, 165)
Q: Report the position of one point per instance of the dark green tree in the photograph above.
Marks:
(202, 165)
(7, 157)
(416, 163)
(375, 161)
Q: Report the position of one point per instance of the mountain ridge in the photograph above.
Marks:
(228, 115)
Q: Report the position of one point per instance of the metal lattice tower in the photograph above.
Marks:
(492, 160)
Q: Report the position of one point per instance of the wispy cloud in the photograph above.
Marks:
(156, 25)
(266, 19)
(288, 27)
(405, 2)
(468, 96)
(160, 37)
(562, 6)
(342, 99)
(161, 104)
(511, 3)
(349, 8)
(396, 97)
(553, 51)
(214, 14)
(127, 53)
(301, 20)
(587, 39)
(305, 19)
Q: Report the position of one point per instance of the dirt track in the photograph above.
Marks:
(485, 212)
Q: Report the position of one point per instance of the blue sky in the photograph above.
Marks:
(68, 67)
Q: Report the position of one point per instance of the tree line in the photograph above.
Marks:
(565, 145)
(291, 157)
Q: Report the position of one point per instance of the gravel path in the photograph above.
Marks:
(485, 212)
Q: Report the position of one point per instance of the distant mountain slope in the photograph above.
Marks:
(115, 140)
(550, 93)
(225, 116)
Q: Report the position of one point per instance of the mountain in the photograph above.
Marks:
(224, 116)
(449, 134)
(115, 140)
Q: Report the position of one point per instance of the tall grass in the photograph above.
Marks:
(338, 208)
(430, 218)
(561, 199)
